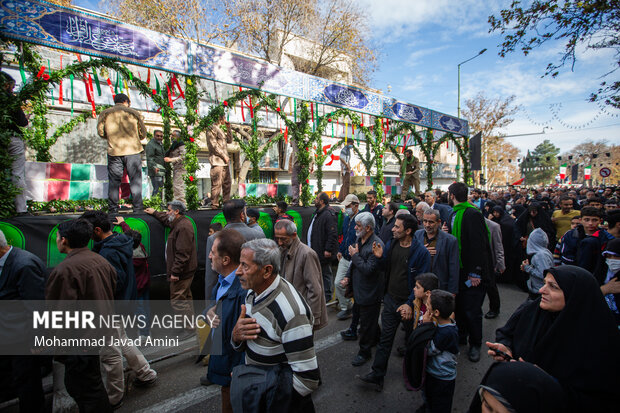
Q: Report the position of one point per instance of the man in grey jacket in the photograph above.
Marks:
(499, 266)
(444, 250)
(235, 214)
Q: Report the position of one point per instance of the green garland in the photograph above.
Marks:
(191, 147)
(191, 126)
(252, 148)
(317, 138)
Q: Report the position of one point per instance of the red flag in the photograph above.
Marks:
(519, 182)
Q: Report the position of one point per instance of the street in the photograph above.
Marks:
(178, 388)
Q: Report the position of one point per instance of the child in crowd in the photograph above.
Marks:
(424, 284)
(253, 217)
(215, 227)
(442, 351)
(542, 259)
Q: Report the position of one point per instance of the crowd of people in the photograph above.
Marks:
(425, 264)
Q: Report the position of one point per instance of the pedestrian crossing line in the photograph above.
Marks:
(202, 394)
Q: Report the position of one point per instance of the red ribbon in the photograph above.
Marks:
(286, 135)
(112, 88)
(333, 158)
(60, 90)
(169, 96)
(312, 111)
(92, 95)
(148, 77)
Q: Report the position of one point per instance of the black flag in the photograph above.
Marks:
(475, 150)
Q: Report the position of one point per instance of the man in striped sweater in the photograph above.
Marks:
(275, 326)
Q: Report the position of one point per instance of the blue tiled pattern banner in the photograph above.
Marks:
(77, 31)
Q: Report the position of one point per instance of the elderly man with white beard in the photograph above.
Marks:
(367, 279)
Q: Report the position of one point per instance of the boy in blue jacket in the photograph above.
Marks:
(442, 351)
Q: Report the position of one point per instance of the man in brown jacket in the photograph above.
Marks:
(302, 268)
(123, 128)
(218, 158)
(83, 275)
(181, 256)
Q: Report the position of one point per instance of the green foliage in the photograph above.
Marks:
(67, 206)
(265, 199)
(593, 24)
(254, 148)
(317, 138)
(190, 126)
(541, 166)
(191, 147)
(154, 202)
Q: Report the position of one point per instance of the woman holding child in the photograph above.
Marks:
(570, 333)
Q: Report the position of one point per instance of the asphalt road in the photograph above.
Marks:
(178, 388)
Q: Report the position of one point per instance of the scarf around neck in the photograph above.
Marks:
(460, 209)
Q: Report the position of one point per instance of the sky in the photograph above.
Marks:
(421, 42)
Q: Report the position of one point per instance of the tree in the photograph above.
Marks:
(541, 165)
(197, 20)
(488, 116)
(594, 153)
(324, 34)
(593, 24)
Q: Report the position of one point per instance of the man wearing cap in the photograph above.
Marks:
(351, 204)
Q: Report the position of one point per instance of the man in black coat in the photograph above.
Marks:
(366, 278)
(22, 277)
(475, 261)
(323, 239)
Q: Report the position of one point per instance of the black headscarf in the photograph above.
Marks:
(518, 210)
(488, 209)
(507, 223)
(578, 345)
(525, 387)
(541, 220)
(175, 144)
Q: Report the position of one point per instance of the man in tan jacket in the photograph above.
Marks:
(219, 160)
(123, 128)
(302, 268)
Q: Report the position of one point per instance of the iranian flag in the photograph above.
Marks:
(587, 172)
(563, 171)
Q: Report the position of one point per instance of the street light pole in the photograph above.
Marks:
(458, 109)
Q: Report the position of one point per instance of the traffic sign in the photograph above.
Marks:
(605, 172)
